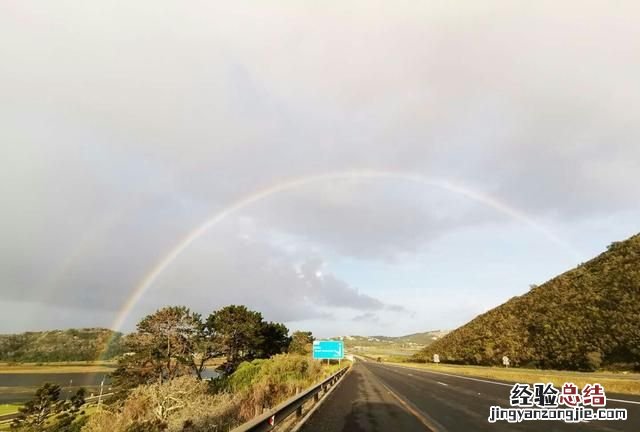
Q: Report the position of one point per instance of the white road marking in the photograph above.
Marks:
(624, 401)
(457, 376)
(441, 383)
(499, 383)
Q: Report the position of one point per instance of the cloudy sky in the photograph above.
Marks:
(345, 167)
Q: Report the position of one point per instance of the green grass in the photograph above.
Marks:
(6, 426)
(268, 382)
(627, 383)
(288, 370)
(9, 408)
(87, 410)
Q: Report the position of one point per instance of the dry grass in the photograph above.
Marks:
(255, 386)
(215, 362)
(171, 405)
(57, 367)
(263, 384)
(44, 368)
(613, 382)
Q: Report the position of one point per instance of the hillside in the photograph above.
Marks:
(59, 345)
(391, 345)
(584, 319)
(425, 338)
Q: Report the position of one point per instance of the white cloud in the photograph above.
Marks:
(124, 128)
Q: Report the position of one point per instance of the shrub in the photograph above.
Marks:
(168, 406)
(188, 404)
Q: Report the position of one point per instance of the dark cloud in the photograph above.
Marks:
(123, 129)
(326, 289)
(284, 286)
(367, 317)
(371, 218)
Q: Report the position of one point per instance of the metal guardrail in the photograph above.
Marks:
(267, 421)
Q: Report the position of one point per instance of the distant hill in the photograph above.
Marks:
(60, 345)
(584, 319)
(425, 338)
(413, 340)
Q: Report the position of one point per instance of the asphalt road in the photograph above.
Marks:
(379, 397)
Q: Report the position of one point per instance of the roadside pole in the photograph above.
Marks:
(100, 396)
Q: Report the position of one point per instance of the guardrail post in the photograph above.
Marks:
(299, 411)
(316, 397)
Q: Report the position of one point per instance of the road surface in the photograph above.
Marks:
(379, 397)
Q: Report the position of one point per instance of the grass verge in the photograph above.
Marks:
(67, 367)
(9, 408)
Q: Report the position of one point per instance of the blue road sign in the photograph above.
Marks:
(328, 349)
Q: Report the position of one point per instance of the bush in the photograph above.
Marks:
(187, 404)
(264, 383)
(168, 406)
(593, 360)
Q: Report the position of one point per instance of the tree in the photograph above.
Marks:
(205, 347)
(182, 404)
(301, 342)
(164, 346)
(238, 333)
(37, 414)
(275, 339)
(175, 341)
(71, 408)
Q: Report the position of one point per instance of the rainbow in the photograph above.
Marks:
(147, 281)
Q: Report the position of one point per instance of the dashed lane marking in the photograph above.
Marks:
(498, 383)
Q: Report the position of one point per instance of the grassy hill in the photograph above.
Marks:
(425, 338)
(584, 319)
(391, 345)
(60, 345)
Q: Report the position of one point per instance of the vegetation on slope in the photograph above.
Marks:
(390, 346)
(422, 339)
(188, 404)
(50, 411)
(61, 345)
(159, 383)
(584, 319)
(175, 341)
